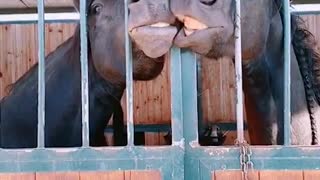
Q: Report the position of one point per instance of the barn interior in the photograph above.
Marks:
(152, 101)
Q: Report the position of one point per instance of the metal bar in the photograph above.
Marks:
(155, 128)
(287, 71)
(189, 94)
(33, 18)
(305, 9)
(176, 96)
(129, 79)
(84, 74)
(41, 75)
(238, 66)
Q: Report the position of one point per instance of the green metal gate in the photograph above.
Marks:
(185, 158)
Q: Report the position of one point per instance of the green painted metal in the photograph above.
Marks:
(154, 128)
(169, 160)
(176, 98)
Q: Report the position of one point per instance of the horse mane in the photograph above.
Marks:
(308, 57)
(305, 48)
(34, 69)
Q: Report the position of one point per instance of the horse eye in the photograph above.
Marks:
(96, 9)
(208, 2)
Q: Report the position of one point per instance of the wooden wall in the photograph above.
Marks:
(268, 175)
(25, 4)
(155, 175)
(18, 52)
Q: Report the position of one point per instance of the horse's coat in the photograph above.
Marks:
(106, 61)
(209, 31)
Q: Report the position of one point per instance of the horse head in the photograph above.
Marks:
(209, 26)
(150, 30)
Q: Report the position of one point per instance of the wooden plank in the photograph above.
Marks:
(17, 176)
(280, 175)
(114, 175)
(311, 175)
(25, 4)
(234, 175)
(58, 176)
(143, 175)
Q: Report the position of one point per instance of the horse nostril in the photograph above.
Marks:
(208, 2)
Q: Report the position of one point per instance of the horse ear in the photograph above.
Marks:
(76, 5)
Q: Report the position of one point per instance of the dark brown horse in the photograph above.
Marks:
(209, 30)
(106, 60)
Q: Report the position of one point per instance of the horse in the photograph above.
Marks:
(107, 76)
(208, 29)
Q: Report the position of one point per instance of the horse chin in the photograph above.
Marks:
(154, 41)
(203, 42)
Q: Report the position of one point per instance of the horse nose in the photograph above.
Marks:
(208, 2)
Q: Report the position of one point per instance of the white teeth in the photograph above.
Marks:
(188, 32)
(160, 24)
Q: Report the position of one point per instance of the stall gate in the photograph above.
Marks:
(185, 158)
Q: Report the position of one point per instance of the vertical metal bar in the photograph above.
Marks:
(84, 74)
(176, 96)
(129, 79)
(287, 71)
(189, 96)
(199, 95)
(41, 74)
(238, 66)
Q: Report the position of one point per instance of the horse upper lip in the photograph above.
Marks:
(194, 24)
(154, 25)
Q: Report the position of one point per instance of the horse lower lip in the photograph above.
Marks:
(154, 41)
(188, 32)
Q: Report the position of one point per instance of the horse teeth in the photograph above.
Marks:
(194, 24)
(160, 24)
(188, 32)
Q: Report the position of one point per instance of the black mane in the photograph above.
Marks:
(308, 57)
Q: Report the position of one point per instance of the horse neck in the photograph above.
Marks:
(97, 85)
(63, 83)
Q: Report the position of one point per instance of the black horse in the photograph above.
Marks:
(106, 61)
